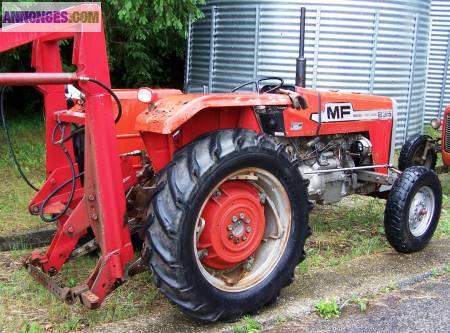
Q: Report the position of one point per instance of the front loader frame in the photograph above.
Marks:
(100, 203)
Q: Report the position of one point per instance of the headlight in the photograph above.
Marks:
(436, 123)
(145, 95)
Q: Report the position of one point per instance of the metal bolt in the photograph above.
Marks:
(94, 217)
(91, 197)
(202, 254)
(247, 220)
(234, 219)
(230, 227)
(248, 229)
(248, 265)
(241, 215)
(35, 209)
(236, 240)
(244, 238)
(263, 198)
(217, 194)
(230, 236)
(70, 230)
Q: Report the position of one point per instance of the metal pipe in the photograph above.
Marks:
(300, 71)
(33, 79)
(348, 169)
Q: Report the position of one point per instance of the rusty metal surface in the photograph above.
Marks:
(48, 282)
(169, 113)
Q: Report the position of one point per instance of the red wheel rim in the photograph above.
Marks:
(234, 225)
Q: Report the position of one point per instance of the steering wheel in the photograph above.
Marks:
(256, 83)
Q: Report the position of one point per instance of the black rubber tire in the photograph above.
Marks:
(396, 216)
(185, 184)
(413, 146)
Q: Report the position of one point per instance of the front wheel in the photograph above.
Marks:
(413, 209)
(413, 153)
(228, 227)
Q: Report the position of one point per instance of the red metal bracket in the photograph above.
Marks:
(100, 204)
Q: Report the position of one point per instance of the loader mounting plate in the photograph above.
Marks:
(68, 295)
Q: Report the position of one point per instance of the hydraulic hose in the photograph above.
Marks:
(60, 142)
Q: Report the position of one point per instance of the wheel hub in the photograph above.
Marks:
(234, 225)
(421, 211)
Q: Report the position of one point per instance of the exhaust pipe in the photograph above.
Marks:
(300, 71)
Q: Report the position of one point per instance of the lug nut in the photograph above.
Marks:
(247, 220)
(248, 229)
(230, 236)
(234, 219)
(244, 238)
(230, 227)
(241, 215)
(236, 241)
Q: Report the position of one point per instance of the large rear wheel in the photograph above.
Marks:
(228, 227)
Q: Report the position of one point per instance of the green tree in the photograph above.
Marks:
(146, 39)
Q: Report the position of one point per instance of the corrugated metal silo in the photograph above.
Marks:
(378, 47)
(438, 79)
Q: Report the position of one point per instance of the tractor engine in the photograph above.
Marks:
(322, 161)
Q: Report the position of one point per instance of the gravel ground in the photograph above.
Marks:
(424, 307)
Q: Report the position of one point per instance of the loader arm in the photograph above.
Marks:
(100, 203)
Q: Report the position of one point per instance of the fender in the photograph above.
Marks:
(168, 114)
(172, 122)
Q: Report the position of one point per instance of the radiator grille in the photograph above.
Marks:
(447, 134)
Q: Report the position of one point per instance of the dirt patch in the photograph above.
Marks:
(9, 263)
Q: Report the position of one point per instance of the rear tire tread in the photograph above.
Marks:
(169, 206)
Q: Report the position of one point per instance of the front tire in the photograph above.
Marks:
(228, 227)
(413, 209)
(412, 153)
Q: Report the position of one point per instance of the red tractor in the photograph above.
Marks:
(422, 149)
(218, 186)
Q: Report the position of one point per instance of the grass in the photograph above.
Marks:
(327, 309)
(362, 303)
(341, 232)
(28, 139)
(28, 307)
(247, 325)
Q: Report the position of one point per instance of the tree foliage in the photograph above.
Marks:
(146, 41)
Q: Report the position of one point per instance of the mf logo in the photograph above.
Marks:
(338, 111)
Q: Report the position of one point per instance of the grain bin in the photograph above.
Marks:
(377, 47)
